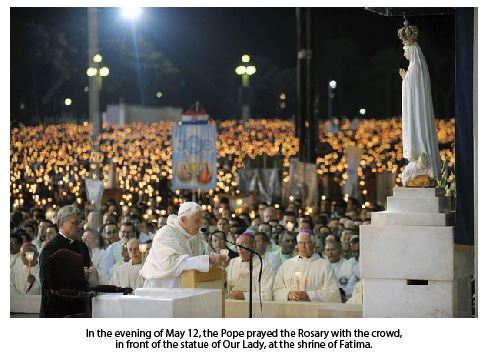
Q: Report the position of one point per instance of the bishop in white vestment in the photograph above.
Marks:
(307, 276)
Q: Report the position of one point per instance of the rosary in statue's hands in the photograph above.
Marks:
(402, 73)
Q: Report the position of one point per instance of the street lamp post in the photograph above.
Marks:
(95, 74)
(331, 94)
(245, 70)
(93, 90)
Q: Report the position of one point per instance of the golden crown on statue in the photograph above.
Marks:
(408, 35)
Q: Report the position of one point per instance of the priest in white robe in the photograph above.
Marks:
(95, 243)
(419, 134)
(178, 246)
(342, 268)
(113, 253)
(25, 275)
(355, 275)
(270, 258)
(238, 273)
(127, 274)
(307, 276)
(15, 247)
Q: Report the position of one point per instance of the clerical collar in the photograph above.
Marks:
(70, 240)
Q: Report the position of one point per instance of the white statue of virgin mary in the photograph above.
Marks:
(419, 136)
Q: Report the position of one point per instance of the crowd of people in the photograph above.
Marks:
(308, 254)
(303, 257)
(49, 163)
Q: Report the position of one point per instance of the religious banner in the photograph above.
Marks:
(266, 183)
(94, 192)
(194, 156)
(303, 183)
(332, 125)
(353, 154)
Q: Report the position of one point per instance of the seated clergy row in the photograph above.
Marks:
(304, 277)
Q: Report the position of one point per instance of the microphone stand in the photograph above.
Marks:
(251, 266)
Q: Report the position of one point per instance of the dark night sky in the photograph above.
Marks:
(356, 47)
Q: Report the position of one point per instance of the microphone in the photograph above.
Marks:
(252, 251)
(251, 265)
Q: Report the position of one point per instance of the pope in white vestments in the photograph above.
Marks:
(237, 273)
(307, 276)
(178, 246)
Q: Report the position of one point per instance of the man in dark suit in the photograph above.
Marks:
(69, 220)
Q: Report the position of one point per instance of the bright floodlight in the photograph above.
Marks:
(245, 58)
(131, 13)
(97, 58)
(333, 84)
(362, 111)
(158, 94)
(240, 70)
(250, 70)
(104, 71)
(92, 71)
(68, 101)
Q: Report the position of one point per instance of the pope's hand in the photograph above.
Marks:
(402, 73)
(218, 260)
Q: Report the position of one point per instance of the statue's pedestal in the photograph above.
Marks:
(409, 264)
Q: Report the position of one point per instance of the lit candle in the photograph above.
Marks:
(143, 250)
(297, 276)
(30, 256)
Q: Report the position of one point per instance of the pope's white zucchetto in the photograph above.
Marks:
(189, 208)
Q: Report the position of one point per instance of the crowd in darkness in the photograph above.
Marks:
(49, 164)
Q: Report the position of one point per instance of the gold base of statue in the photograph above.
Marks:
(421, 181)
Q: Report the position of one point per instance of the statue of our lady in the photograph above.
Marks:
(419, 136)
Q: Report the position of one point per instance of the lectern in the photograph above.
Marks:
(215, 278)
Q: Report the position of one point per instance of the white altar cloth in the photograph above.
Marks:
(160, 302)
